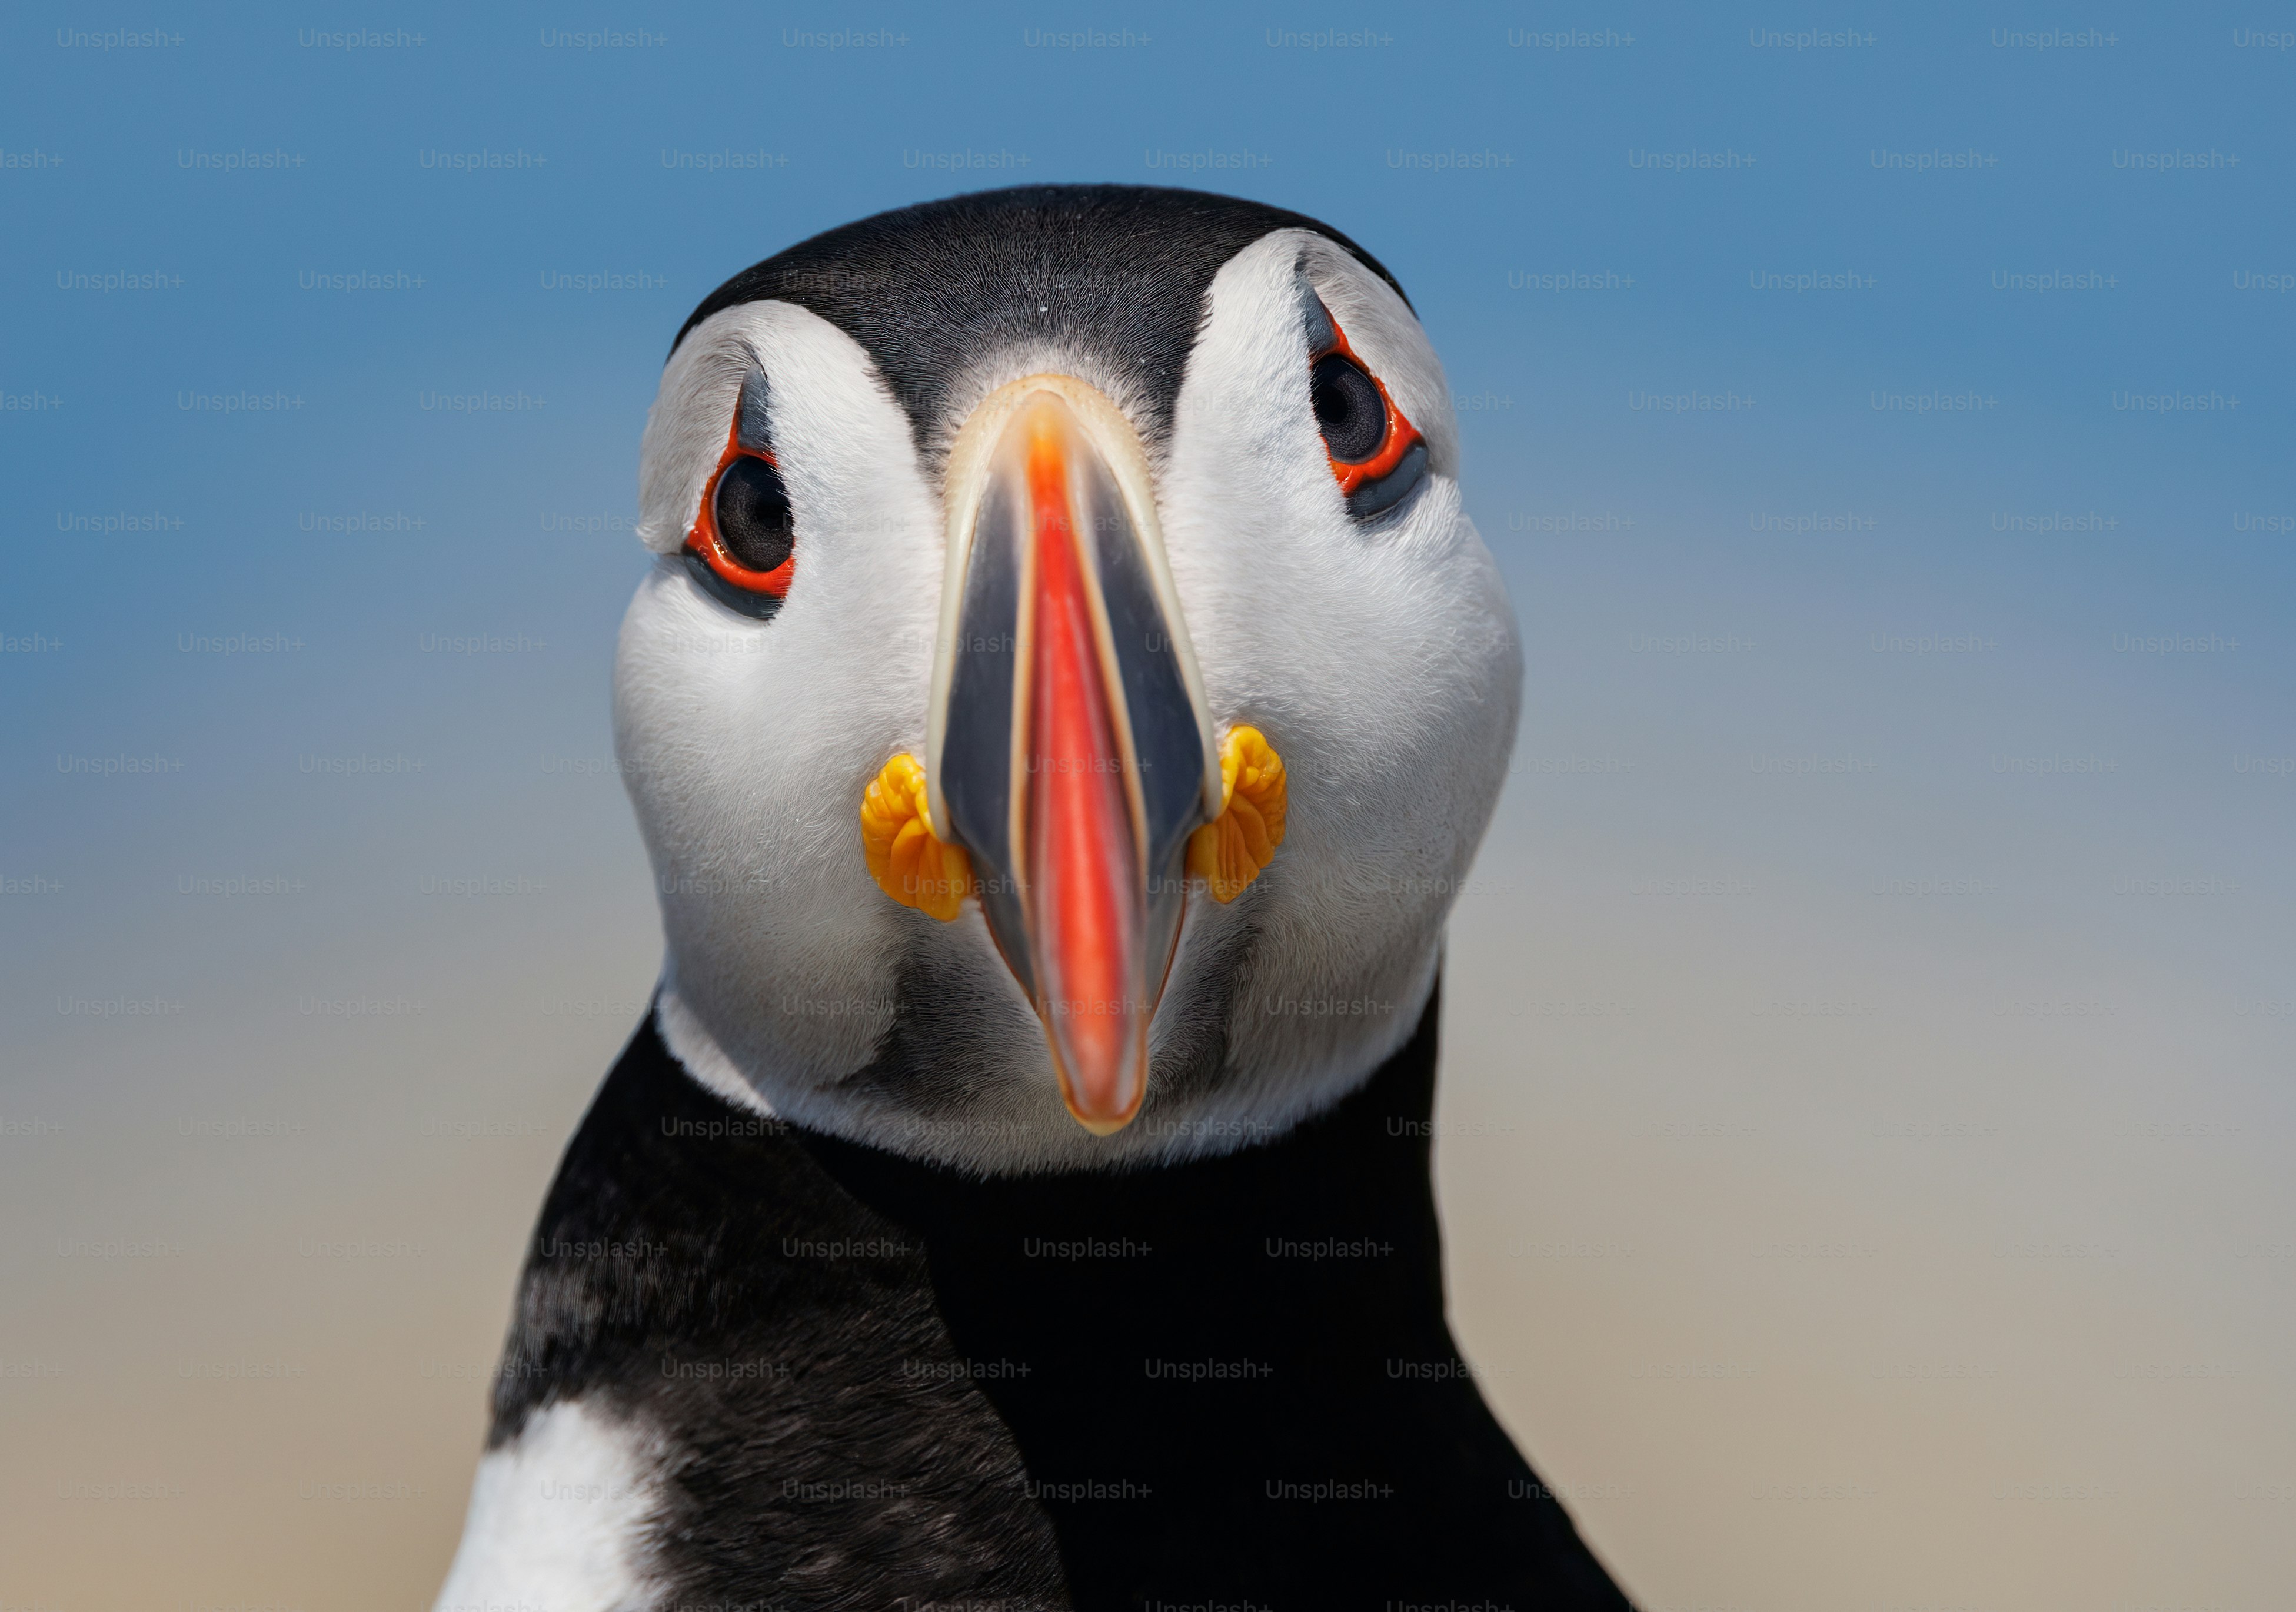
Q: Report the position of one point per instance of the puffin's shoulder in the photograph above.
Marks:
(768, 1353)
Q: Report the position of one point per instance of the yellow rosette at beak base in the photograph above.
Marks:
(1230, 852)
(918, 868)
(909, 861)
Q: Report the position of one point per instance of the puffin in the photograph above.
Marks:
(1065, 698)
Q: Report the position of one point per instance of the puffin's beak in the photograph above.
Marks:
(1069, 752)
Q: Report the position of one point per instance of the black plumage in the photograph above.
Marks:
(1117, 271)
(871, 1378)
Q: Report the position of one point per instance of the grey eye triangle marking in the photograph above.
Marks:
(754, 431)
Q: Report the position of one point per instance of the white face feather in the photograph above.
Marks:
(1378, 657)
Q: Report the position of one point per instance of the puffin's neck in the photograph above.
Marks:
(1327, 1233)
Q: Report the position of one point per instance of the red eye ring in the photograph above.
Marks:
(1401, 433)
(703, 538)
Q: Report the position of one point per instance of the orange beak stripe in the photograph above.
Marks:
(1083, 861)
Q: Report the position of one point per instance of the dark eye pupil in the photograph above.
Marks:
(753, 514)
(1349, 407)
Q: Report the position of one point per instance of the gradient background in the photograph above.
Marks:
(1867, 1082)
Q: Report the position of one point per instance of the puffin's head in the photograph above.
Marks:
(1069, 693)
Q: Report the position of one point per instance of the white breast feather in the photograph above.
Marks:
(558, 1520)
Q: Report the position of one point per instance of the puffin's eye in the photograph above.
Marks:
(1377, 454)
(1349, 407)
(753, 514)
(742, 546)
